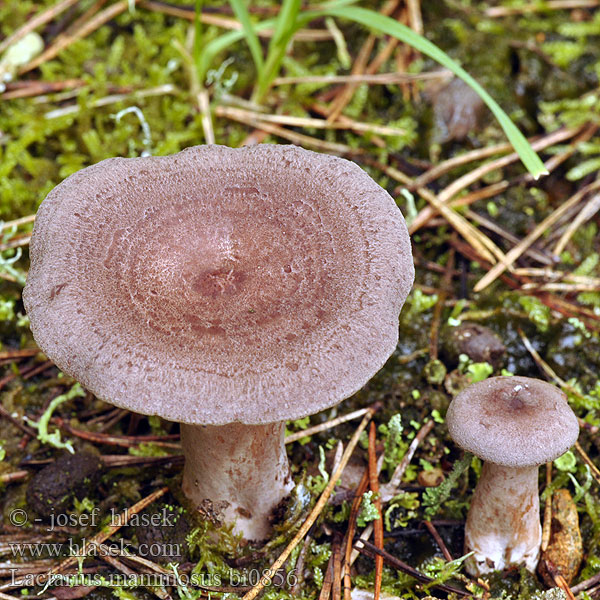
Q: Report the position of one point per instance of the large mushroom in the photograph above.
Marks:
(514, 424)
(227, 289)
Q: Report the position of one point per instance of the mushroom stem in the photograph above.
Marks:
(503, 526)
(237, 472)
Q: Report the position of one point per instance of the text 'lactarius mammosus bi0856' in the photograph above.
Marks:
(226, 289)
(514, 424)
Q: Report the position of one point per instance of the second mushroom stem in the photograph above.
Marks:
(503, 526)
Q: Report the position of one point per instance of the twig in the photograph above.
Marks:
(389, 490)
(513, 254)
(16, 222)
(298, 435)
(354, 509)
(585, 585)
(547, 523)
(302, 35)
(378, 523)
(474, 175)
(478, 240)
(336, 584)
(315, 512)
(40, 19)
(559, 580)
(370, 79)
(585, 214)
(370, 550)
(14, 476)
(327, 580)
(296, 138)
(505, 11)
(588, 461)
(97, 21)
(438, 540)
(230, 112)
(99, 538)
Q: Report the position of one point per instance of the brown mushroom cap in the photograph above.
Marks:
(219, 285)
(513, 421)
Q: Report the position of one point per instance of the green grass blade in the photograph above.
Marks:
(206, 59)
(391, 27)
(286, 25)
(241, 12)
(197, 49)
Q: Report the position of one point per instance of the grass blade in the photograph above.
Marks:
(391, 27)
(286, 25)
(241, 12)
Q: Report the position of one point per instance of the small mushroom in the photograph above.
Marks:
(514, 424)
(227, 289)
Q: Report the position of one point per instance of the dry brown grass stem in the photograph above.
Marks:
(505, 11)
(514, 253)
(296, 138)
(303, 35)
(390, 489)
(93, 543)
(86, 29)
(377, 523)
(532, 252)
(315, 512)
(298, 435)
(370, 79)
(292, 121)
(591, 207)
(40, 19)
(476, 174)
(17, 222)
(588, 461)
(484, 247)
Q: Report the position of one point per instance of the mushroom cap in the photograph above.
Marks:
(513, 421)
(219, 285)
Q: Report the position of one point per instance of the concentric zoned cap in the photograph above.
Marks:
(219, 285)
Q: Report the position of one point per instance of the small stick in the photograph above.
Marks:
(40, 19)
(92, 25)
(389, 490)
(336, 585)
(327, 580)
(515, 252)
(505, 11)
(295, 589)
(547, 524)
(559, 580)
(298, 435)
(588, 461)
(315, 512)
(370, 550)
(377, 523)
(17, 222)
(438, 540)
(585, 585)
(371, 79)
(14, 476)
(358, 494)
(112, 528)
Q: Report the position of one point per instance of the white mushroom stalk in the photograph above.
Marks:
(503, 525)
(515, 424)
(221, 286)
(241, 471)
